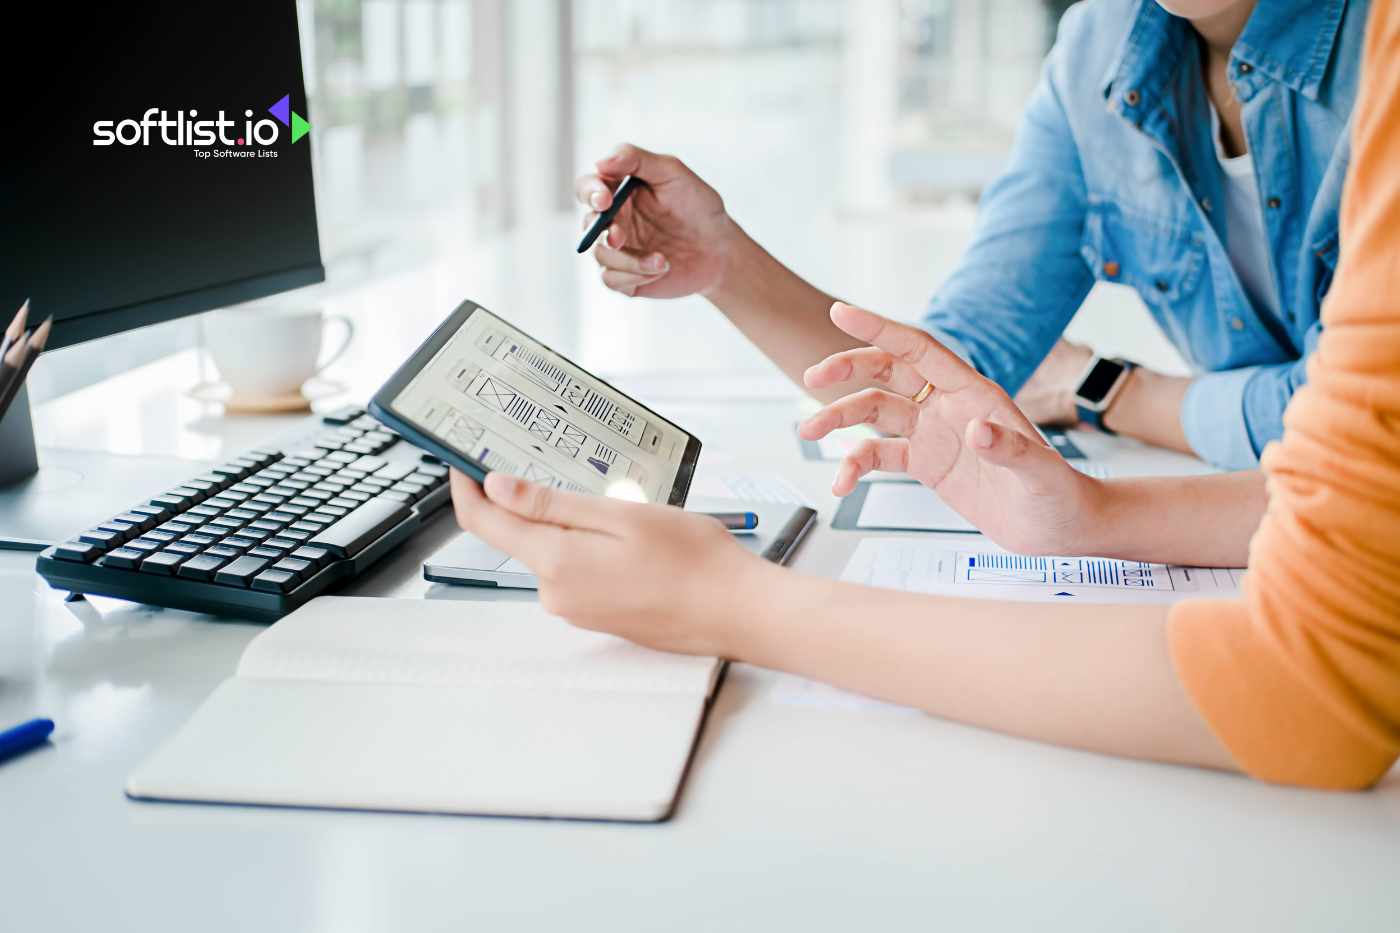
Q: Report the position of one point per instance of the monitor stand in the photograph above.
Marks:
(50, 495)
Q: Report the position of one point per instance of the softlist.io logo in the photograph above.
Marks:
(184, 129)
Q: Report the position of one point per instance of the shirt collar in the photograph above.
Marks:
(1288, 40)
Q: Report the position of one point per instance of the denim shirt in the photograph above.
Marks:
(1114, 176)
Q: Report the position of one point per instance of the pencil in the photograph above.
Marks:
(16, 328)
(33, 346)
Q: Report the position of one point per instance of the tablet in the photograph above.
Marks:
(484, 396)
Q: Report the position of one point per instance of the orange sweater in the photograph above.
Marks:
(1300, 679)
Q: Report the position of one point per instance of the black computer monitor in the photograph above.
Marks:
(157, 164)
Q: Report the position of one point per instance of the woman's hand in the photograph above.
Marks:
(653, 574)
(967, 440)
(670, 238)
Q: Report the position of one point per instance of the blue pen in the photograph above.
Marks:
(24, 737)
(736, 521)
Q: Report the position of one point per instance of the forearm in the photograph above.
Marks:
(785, 316)
(1201, 521)
(1149, 409)
(1098, 678)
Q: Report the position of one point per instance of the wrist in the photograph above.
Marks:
(1117, 417)
(735, 254)
(760, 594)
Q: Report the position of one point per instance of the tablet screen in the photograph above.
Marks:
(515, 406)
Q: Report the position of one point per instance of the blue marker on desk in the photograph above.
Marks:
(24, 737)
(736, 521)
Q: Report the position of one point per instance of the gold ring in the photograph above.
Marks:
(923, 393)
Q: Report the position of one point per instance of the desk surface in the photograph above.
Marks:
(804, 808)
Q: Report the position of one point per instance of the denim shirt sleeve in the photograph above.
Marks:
(1022, 279)
(1230, 416)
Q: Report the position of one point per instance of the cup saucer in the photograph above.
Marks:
(287, 403)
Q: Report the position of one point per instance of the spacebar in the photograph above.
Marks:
(361, 528)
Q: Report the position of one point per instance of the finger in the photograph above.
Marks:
(616, 236)
(929, 358)
(865, 365)
(1037, 465)
(629, 260)
(499, 527)
(543, 504)
(885, 453)
(627, 283)
(591, 191)
(650, 167)
(890, 413)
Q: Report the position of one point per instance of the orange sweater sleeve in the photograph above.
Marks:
(1301, 678)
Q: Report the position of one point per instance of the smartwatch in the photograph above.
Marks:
(1099, 385)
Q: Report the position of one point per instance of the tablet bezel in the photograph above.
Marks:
(382, 407)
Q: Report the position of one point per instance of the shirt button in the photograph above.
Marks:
(1160, 285)
(1205, 205)
(1274, 203)
(1245, 68)
(1110, 269)
(1237, 322)
(1132, 98)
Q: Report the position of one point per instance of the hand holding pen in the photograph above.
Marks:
(18, 350)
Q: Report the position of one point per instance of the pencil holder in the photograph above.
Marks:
(18, 458)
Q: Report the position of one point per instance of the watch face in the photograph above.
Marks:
(1100, 381)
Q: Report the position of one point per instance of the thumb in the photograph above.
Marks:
(1037, 465)
(650, 167)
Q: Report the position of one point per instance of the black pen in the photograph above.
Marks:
(624, 191)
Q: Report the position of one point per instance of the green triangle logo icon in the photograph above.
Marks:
(299, 126)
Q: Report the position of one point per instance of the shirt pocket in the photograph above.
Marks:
(1163, 261)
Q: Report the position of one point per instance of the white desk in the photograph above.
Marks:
(798, 813)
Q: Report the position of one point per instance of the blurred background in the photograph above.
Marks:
(850, 137)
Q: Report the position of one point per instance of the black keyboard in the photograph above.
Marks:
(265, 532)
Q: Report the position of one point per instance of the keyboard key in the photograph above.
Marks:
(123, 558)
(341, 456)
(201, 567)
(294, 534)
(281, 543)
(207, 511)
(265, 524)
(361, 447)
(305, 526)
(161, 535)
(319, 472)
(125, 529)
(178, 527)
(245, 487)
(369, 464)
(258, 507)
(361, 528)
(185, 548)
(267, 553)
(407, 498)
(193, 493)
(276, 581)
(282, 491)
(78, 551)
(304, 502)
(238, 541)
(204, 486)
(145, 545)
(174, 502)
(241, 514)
(256, 534)
(231, 472)
(221, 502)
(320, 495)
(136, 520)
(102, 539)
(409, 489)
(295, 511)
(316, 556)
(232, 524)
(433, 470)
(259, 482)
(355, 496)
(374, 482)
(262, 457)
(199, 540)
(301, 569)
(341, 502)
(271, 498)
(397, 471)
(241, 571)
(332, 511)
(224, 551)
(157, 513)
(343, 415)
(280, 516)
(162, 562)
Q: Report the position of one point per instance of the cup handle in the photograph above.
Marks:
(344, 343)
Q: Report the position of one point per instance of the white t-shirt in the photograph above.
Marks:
(1246, 239)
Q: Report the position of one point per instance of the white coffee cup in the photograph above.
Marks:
(269, 351)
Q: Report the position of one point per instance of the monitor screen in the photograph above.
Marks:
(158, 164)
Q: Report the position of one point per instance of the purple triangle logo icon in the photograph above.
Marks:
(282, 109)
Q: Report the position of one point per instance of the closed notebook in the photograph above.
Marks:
(441, 706)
